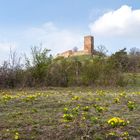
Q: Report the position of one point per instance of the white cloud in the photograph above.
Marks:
(53, 38)
(123, 22)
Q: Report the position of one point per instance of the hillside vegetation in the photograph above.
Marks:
(42, 70)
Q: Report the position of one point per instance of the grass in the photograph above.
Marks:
(133, 79)
(70, 114)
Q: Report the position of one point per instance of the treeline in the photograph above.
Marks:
(42, 70)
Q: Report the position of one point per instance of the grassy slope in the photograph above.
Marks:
(133, 79)
(39, 114)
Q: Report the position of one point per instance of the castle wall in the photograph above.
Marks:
(66, 54)
(79, 53)
(88, 48)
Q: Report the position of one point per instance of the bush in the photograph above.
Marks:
(42, 70)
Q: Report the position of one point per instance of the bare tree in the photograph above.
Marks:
(75, 49)
(101, 50)
(134, 51)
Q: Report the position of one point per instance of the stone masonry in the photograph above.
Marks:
(88, 48)
(88, 44)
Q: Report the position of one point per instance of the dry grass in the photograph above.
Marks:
(68, 114)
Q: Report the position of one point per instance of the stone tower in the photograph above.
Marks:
(89, 44)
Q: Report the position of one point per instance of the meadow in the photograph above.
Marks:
(81, 113)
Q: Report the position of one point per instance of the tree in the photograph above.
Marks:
(134, 51)
(38, 65)
(134, 60)
(74, 71)
(101, 50)
(120, 60)
(11, 73)
(57, 72)
(75, 49)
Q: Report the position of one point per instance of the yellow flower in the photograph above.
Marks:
(116, 121)
(16, 136)
(116, 100)
(75, 98)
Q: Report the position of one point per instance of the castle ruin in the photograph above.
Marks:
(88, 48)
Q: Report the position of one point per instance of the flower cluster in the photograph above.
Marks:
(6, 97)
(116, 100)
(76, 98)
(86, 108)
(115, 135)
(131, 105)
(16, 136)
(99, 108)
(68, 117)
(116, 121)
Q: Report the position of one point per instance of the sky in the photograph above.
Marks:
(60, 25)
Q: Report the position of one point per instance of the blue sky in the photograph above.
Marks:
(61, 24)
